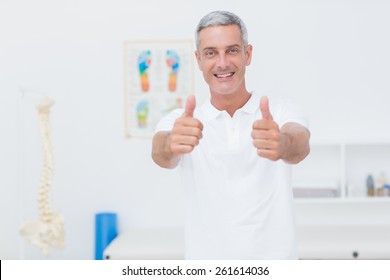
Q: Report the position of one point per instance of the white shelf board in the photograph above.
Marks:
(316, 200)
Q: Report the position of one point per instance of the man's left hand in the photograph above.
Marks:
(267, 137)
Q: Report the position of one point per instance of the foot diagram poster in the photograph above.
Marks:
(158, 78)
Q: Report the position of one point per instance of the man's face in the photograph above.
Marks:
(223, 58)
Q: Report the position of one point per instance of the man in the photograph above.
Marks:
(235, 153)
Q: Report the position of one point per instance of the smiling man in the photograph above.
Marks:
(234, 153)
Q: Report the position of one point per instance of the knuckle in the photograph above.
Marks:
(254, 134)
(174, 149)
(257, 124)
(277, 135)
(195, 131)
(174, 138)
(199, 125)
(274, 156)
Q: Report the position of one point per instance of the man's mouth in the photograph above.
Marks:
(225, 75)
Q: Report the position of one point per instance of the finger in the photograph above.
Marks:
(181, 149)
(190, 106)
(264, 108)
(264, 144)
(264, 124)
(269, 154)
(185, 140)
(187, 131)
(187, 122)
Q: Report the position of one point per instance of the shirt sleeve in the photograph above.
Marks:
(166, 123)
(291, 112)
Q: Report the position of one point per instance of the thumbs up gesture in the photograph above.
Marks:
(187, 131)
(267, 138)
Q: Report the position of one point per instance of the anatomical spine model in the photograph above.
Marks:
(48, 230)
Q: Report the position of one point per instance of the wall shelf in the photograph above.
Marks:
(336, 200)
(344, 166)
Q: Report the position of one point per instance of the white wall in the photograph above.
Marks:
(331, 56)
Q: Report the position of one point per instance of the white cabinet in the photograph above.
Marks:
(351, 225)
(344, 166)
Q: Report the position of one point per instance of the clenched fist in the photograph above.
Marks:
(267, 138)
(187, 131)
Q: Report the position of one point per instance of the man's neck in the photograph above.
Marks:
(230, 103)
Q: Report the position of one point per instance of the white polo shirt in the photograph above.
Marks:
(238, 205)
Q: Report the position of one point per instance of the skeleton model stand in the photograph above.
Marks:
(48, 231)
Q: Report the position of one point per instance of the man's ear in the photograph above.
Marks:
(248, 54)
(198, 58)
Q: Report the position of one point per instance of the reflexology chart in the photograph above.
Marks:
(158, 77)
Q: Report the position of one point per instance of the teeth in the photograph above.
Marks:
(224, 75)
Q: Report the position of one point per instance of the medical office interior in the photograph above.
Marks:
(331, 57)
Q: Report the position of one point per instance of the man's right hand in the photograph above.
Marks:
(187, 131)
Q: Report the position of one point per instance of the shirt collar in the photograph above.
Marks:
(252, 104)
(250, 107)
(209, 111)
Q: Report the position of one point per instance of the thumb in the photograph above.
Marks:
(264, 108)
(190, 106)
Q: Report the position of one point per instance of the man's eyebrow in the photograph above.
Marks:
(234, 46)
(208, 48)
(227, 47)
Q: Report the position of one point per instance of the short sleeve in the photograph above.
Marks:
(291, 112)
(166, 123)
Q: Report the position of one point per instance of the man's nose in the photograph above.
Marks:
(222, 61)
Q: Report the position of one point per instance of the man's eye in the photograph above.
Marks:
(233, 51)
(209, 53)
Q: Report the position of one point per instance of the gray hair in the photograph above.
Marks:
(224, 18)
